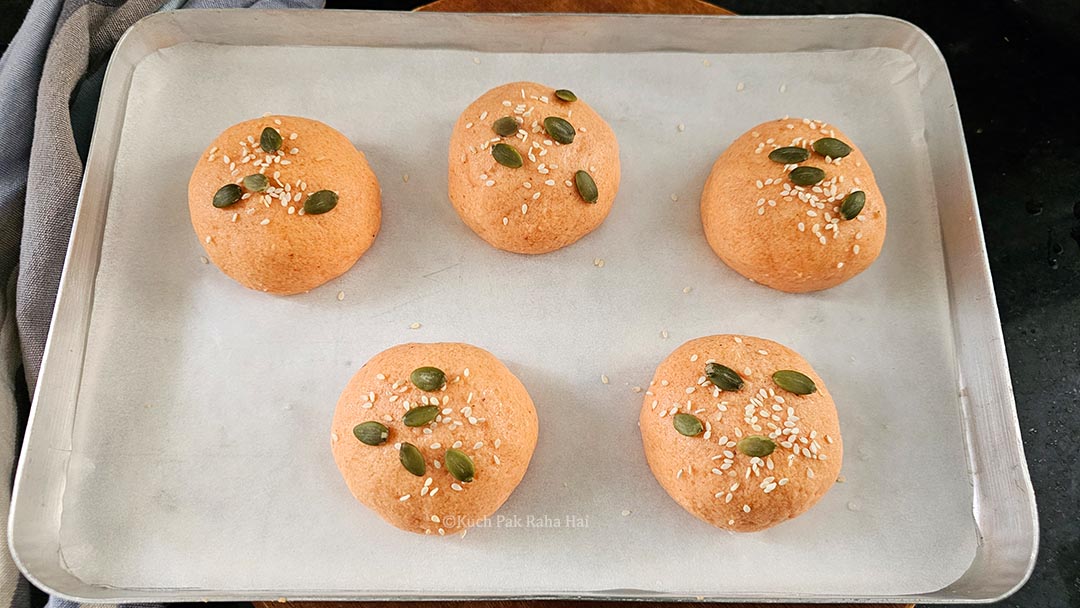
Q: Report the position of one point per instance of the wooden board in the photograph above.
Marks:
(670, 7)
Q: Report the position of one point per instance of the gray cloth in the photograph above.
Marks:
(50, 78)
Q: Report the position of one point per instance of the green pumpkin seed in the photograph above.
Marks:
(806, 176)
(794, 382)
(270, 140)
(419, 416)
(566, 95)
(789, 155)
(723, 376)
(687, 424)
(256, 182)
(371, 433)
(412, 459)
(586, 187)
(559, 129)
(460, 465)
(506, 156)
(320, 202)
(428, 378)
(831, 147)
(756, 445)
(227, 195)
(853, 204)
(505, 126)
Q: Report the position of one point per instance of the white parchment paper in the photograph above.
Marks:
(201, 452)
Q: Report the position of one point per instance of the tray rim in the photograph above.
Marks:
(93, 198)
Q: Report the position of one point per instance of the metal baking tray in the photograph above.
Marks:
(178, 442)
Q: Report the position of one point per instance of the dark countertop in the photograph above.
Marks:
(1014, 68)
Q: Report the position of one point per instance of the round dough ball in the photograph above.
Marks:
(790, 237)
(535, 208)
(265, 241)
(707, 474)
(491, 419)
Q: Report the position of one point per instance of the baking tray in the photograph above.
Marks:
(178, 441)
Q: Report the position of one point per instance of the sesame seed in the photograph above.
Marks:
(265, 221)
(746, 508)
(603, 378)
(506, 221)
(664, 335)
(414, 326)
(598, 262)
(625, 512)
(340, 295)
(739, 87)
(405, 497)
(525, 208)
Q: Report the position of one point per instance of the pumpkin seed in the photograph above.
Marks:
(806, 176)
(586, 187)
(505, 126)
(256, 182)
(756, 445)
(460, 465)
(853, 204)
(270, 140)
(687, 424)
(794, 382)
(566, 95)
(227, 195)
(723, 376)
(412, 459)
(428, 378)
(419, 416)
(559, 129)
(831, 147)
(506, 155)
(789, 155)
(320, 202)
(371, 433)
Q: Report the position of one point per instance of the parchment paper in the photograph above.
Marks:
(201, 446)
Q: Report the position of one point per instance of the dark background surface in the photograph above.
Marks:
(1015, 68)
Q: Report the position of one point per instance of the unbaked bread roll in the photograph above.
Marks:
(283, 204)
(779, 210)
(532, 169)
(740, 431)
(433, 437)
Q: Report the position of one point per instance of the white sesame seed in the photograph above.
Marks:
(604, 378)
(414, 326)
(340, 295)
(739, 87)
